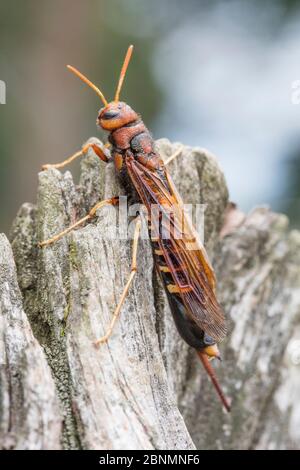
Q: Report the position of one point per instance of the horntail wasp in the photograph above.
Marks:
(187, 274)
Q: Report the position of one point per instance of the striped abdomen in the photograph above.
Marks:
(187, 329)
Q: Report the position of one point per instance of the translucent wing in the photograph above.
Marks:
(191, 274)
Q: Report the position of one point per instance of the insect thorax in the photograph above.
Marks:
(131, 141)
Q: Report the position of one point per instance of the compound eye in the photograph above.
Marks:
(110, 114)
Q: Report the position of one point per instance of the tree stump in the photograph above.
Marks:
(145, 388)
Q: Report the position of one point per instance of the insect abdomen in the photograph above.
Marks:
(187, 329)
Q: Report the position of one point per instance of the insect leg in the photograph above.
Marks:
(116, 314)
(113, 201)
(102, 153)
(175, 155)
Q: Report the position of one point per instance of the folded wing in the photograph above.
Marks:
(192, 275)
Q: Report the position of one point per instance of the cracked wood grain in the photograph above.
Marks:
(29, 408)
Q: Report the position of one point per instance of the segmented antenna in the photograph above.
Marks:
(123, 71)
(89, 83)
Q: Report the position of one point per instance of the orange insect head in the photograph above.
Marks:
(115, 115)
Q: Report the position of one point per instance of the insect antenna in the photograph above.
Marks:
(89, 83)
(209, 369)
(123, 72)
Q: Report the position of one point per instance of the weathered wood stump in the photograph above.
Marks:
(145, 388)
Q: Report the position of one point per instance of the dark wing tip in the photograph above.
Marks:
(208, 315)
(216, 330)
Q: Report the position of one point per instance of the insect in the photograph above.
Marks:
(186, 274)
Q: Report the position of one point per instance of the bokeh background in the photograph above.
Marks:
(218, 74)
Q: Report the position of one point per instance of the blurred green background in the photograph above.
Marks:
(217, 74)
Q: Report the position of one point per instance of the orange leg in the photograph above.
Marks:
(116, 314)
(113, 201)
(102, 153)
